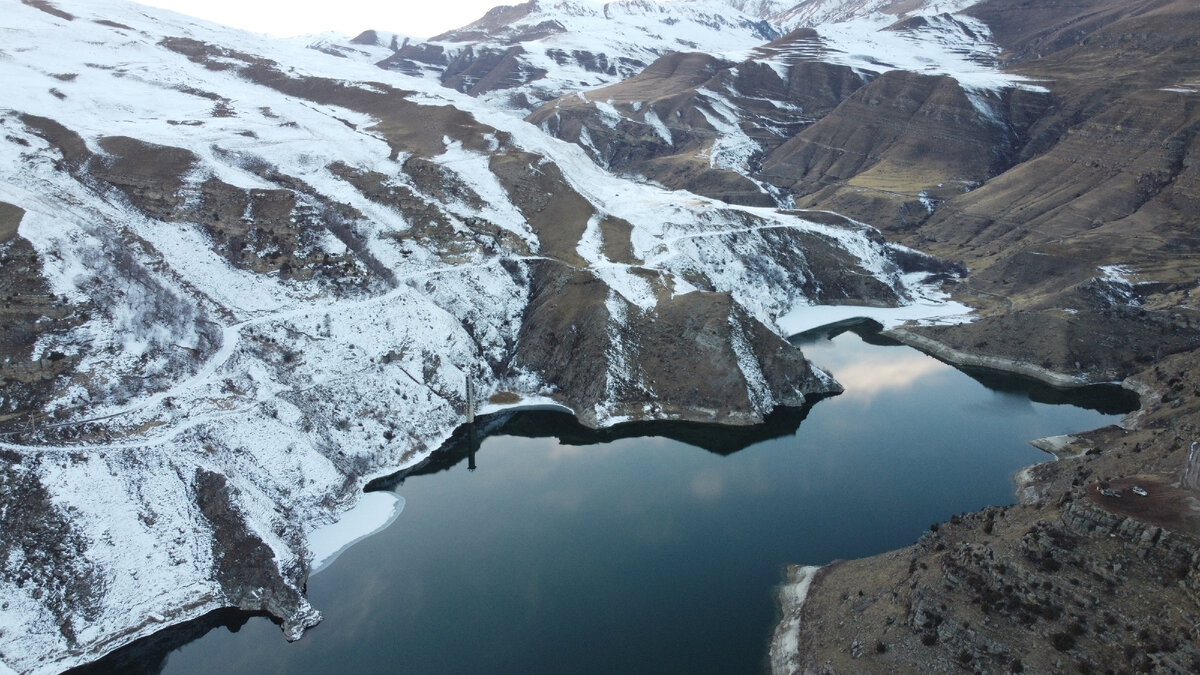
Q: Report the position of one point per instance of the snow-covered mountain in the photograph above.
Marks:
(517, 57)
(243, 277)
(719, 126)
(520, 56)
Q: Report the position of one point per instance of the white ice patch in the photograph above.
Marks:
(585, 141)
(958, 46)
(732, 148)
(932, 308)
(374, 512)
(657, 125)
(1116, 285)
(757, 390)
(524, 403)
(786, 643)
(618, 276)
(609, 115)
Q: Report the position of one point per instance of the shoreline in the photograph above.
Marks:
(358, 522)
(961, 359)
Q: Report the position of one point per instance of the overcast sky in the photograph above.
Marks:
(285, 18)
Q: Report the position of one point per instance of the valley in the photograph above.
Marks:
(244, 277)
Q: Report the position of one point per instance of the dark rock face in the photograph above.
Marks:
(49, 554)
(29, 310)
(244, 565)
(902, 135)
(695, 357)
(565, 319)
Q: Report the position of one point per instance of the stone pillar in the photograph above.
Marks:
(470, 400)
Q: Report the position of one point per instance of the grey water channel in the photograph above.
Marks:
(648, 548)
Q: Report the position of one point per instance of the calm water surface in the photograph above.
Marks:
(581, 552)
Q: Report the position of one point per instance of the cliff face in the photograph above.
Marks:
(695, 122)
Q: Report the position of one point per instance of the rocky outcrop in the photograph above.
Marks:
(29, 311)
(694, 122)
(44, 551)
(697, 357)
(244, 564)
(1009, 590)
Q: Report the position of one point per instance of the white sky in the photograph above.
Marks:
(286, 18)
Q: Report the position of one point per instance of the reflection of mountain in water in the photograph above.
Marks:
(148, 655)
(1108, 399)
(715, 438)
(868, 330)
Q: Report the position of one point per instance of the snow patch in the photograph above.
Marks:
(786, 644)
(930, 307)
(657, 125)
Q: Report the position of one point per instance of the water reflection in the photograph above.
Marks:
(629, 550)
(571, 435)
(1108, 399)
(867, 375)
(149, 654)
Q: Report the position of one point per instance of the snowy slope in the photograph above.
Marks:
(217, 410)
(813, 13)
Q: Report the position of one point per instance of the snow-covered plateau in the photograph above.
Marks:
(245, 277)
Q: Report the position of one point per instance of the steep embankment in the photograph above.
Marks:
(695, 122)
(1106, 179)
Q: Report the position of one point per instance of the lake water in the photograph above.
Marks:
(638, 550)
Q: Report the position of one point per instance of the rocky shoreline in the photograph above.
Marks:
(1074, 577)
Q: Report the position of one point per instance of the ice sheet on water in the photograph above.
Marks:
(374, 512)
